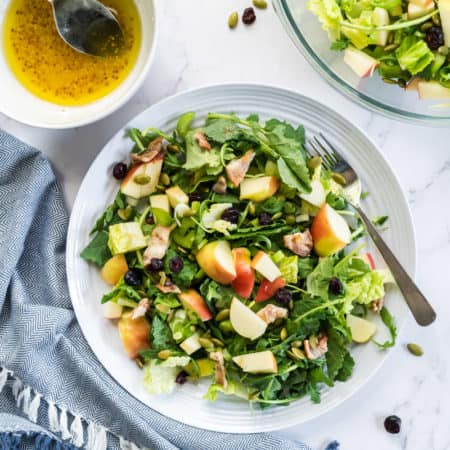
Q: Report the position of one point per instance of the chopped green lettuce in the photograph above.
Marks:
(211, 219)
(126, 237)
(329, 15)
(414, 55)
(159, 378)
(288, 266)
(232, 388)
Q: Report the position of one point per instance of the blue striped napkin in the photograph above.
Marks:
(54, 394)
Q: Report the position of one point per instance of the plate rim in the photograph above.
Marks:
(277, 90)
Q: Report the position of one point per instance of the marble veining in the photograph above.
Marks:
(197, 48)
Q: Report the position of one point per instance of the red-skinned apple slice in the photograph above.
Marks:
(141, 179)
(415, 11)
(192, 300)
(361, 63)
(216, 259)
(268, 288)
(330, 232)
(245, 275)
(134, 334)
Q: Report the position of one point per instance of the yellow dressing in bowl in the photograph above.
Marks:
(52, 70)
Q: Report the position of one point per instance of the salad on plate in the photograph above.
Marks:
(407, 42)
(231, 256)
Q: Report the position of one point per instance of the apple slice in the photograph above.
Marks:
(160, 201)
(245, 322)
(444, 12)
(112, 310)
(415, 11)
(422, 3)
(245, 276)
(432, 90)
(192, 300)
(141, 180)
(317, 195)
(191, 344)
(380, 17)
(361, 63)
(330, 232)
(258, 189)
(176, 196)
(216, 259)
(264, 265)
(362, 330)
(134, 334)
(268, 288)
(115, 268)
(413, 85)
(258, 362)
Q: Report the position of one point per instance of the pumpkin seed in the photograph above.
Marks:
(226, 326)
(233, 19)
(297, 344)
(297, 353)
(338, 178)
(165, 179)
(277, 215)
(290, 219)
(206, 343)
(173, 148)
(390, 47)
(161, 307)
(283, 334)
(436, 20)
(164, 354)
(314, 162)
(217, 342)
(125, 213)
(415, 349)
(222, 315)
(260, 4)
(313, 341)
(139, 363)
(426, 26)
(443, 50)
(251, 208)
(141, 179)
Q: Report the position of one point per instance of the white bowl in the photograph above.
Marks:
(21, 105)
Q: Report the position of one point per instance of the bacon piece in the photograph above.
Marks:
(238, 168)
(140, 309)
(270, 313)
(154, 149)
(319, 350)
(299, 243)
(158, 244)
(220, 368)
(201, 141)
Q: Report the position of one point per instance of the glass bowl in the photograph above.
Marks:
(391, 100)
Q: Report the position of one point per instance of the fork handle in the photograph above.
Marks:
(418, 304)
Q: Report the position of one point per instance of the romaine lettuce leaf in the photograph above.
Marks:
(329, 14)
(414, 55)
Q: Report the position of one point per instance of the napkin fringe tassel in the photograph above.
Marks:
(29, 400)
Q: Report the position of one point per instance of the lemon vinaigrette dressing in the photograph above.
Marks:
(52, 70)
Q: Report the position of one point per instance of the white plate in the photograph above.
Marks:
(98, 190)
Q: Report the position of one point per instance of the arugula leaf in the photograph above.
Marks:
(346, 370)
(109, 217)
(306, 266)
(389, 321)
(185, 276)
(318, 280)
(305, 319)
(98, 251)
(161, 336)
(336, 355)
(122, 290)
(216, 295)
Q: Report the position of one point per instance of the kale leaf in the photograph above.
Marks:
(97, 251)
(161, 336)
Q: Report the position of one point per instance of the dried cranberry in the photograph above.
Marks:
(181, 377)
(155, 265)
(434, 37)
(248, 16)
(176, 264)
(335, 286)
(393, 424)
(231, 215)
(133, 277)
(283, 296)
(120, 171)
(150, 220)
(195, 197)
(265, 218)
(333, 445)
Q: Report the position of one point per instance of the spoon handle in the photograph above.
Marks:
(418, 304)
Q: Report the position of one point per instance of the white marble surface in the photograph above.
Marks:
(196, 48)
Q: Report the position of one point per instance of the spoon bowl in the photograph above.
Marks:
(88, 26)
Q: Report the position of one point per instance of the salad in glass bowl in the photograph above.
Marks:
(407, 42)
(231, 256)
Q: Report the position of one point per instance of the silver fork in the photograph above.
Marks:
(335, 162)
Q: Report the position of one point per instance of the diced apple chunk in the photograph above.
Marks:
(362, 330)
(264, 265)
(380, 17)
(432, 90)
(444, 12)
(112, 310)
(160, 202)
(317, 195)
(258, 362)
(191, 344)
(126, 237)
(415, 11)
(141, 180)
(361, 63)
(245, 322)
(114, 269)
(258, 189)
(176, 196)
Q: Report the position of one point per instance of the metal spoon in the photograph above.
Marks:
(88, 26)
